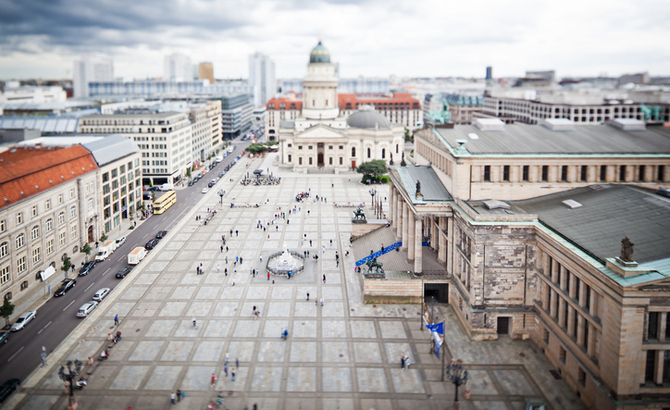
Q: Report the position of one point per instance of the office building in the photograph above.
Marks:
(177, 67)
(262, 79)
(206, 72)
(90, 69)
(236, 115)
(32, 94)
(166, 89)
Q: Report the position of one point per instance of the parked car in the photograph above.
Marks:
(87, 308)
(120, 241)
(122, 273)
(4, 337)
(154, 188)
(161, 234)
(8, 388)
(205, 190)
(100, 294)
(86, 268)
(211, 184)
(191, 182)
(23, 320)
(151, 244)
(65, 285)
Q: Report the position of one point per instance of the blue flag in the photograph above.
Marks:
(439, 328)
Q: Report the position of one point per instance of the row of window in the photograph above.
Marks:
(34, 211)
(20, 240)
(639, 173)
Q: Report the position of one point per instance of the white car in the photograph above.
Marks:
(120, 241)
(87, 308)
(23, 320)
(205, 190)
(101, 294)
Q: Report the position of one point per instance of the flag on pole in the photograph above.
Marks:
(439, 328)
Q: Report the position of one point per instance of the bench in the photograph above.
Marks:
(91, 368)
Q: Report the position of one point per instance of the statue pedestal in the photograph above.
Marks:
(623, 268)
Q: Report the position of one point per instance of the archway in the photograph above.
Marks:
(90, 234)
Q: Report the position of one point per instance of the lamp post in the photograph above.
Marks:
(221, 194)
(69, 377)
(373, 192)
(458, 377)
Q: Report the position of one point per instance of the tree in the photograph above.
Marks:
(188, 172)
(372, 169)
(86, 249)
(67, 264)
(408, 137)
(6, 310)
(256, 148)
(103, 238)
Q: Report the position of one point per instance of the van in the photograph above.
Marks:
(219, 159)
(105, 250)
(136, 255)
(167, 187)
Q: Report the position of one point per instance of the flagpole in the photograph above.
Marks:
(442, 351)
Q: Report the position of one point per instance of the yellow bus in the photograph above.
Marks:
(165, 201)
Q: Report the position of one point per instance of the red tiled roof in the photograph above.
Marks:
(27, 171)
(353, 99)
(290, 103)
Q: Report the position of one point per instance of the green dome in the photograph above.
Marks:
(319, 54)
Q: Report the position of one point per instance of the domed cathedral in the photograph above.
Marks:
(319, 136)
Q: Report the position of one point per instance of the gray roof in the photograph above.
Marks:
(287, 124)
(368, 119)
(535, 139)
(110, 149)
(60, 125)
(431, 186)
(606, 216)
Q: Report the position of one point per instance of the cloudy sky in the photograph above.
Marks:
(41, 38)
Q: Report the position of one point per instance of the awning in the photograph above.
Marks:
(47, 272)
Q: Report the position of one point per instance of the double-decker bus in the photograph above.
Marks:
(165, 201)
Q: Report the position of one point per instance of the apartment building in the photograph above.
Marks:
(164, 140)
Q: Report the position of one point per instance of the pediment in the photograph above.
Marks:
(657, 286)
(321, 131)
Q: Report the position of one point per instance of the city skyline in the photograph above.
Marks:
(368, 38)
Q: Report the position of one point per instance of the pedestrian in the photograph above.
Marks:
(402, 361)
(225, 270)
(232, 371)
(225, 370)
(172, 397)
(231, 232)
(237, 233)
(268, 276)
(44, 359)
(179, 394)
(321, 301)
(324, 278)
(261, 258)
(194, 322)
(241, 260)
(253, 312)
(116, 320)
(218, 268)
(226, 248)
(308, 296)
(221, 248)
(331, 242)
(213, 379)
(237, 363)
(316, 301)
(382, 248)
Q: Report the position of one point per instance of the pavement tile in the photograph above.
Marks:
(129, 378)
(163, 378)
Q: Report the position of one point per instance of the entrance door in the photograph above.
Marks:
(90, 234)
(353, 164)
(503, 325)
(440, 291)
(319, 159)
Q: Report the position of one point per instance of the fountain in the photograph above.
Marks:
(285, 262)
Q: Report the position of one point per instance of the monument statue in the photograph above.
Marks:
(418, 187)
(359, 216)
(374, 267)
(402, 160)
(626, 250)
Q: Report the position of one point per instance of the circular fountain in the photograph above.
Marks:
(285, 262)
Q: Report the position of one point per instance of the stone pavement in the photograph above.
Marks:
(342, 355)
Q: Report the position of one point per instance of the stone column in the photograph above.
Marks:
(593, 304)
(390, 207)
(561, 311)
(582, 294)
(572, 291)
(591, 342)
(442, 245)
(571, 321)
(418, 253)
(405, 222)
(662, 328)
(410, 236)
(545, 296)
(553, 309)
(581, 322)
(658, 367)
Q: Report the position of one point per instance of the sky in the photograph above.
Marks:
(372, 38)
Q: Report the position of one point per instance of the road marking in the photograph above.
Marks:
(103, 273)
(47, 325)
(89, 286)
(68, 305)
(119, 260)
(19, 351)
(145, 236)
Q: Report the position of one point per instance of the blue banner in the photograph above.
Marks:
(379, 253)
(439, 328)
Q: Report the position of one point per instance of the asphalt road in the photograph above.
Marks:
(56, 318)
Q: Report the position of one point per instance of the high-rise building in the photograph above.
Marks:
(90, 69)
(206, 72)
(262, 79)
(489, 73)
(177, 67)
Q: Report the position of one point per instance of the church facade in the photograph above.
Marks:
(322, 137)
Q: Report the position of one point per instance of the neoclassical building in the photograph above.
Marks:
(553, 233)
(321, 137)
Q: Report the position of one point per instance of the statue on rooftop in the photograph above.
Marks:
(626, 250)
(418, 188)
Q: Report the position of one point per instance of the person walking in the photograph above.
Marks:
(322, 302)
(116, 320)
(232, 372)
(194, 321)
(179, 394)
(218, 268)
(308, 296)
(225, 270)
(213, 379)
(172, 397)
(237, 363)
(225, 370)
(237, 233)
(324, 278)
(268, 276)
(44, 359)
(221, 248)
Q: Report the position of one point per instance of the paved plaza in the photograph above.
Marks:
(339, 355)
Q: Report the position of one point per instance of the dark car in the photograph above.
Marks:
(161, 234)
(211, 184)
(8, 388)
(151, 244)
(86, 268)
(122, 273)
(154, 188)
(65, 285)
(191, 182)
(4, 337)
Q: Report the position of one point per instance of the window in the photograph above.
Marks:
(50, 246)
(289, 157)
(341, 147)
(353, 151)
(21, 264)
(622, 173)
(369, 152)
(652, 327)
(47, 204)
(19, 218)
(506, 173)
(564, 173)
(4, 275)
(49, 225)
(310, 160)
(115, 173)
(341, 160)
(105, 177)
(299, 146)
(60, 199)
(545, 173)
(2, 225)
(525, 172)
(583, 172)
(61, 238)
(90, 204)
(4, 249)
(73, 231)
(71, 193)
(330, 161)
(545, 336)
(300, 161)
(61, 218)
(581, 377)
(603, 173)
(36, 256)
(487, 173)
(561, 354)
(660, 177)
(35, 232)
(20, 240)
(641, 171)
(310, 147)
(397, 148)
(33, 211)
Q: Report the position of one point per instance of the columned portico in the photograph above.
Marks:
(405, 209)
(418, 250)
(411, 235)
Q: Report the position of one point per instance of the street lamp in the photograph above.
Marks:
(373, 192)
(69, 377)
(458, 377)
(221, 193)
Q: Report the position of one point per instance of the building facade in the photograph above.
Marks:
(90, 69)
(262, 80)
(155, 88)
(177, 67)
(206, 72)
(236, 115)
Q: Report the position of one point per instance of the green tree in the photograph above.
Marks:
(408, 137)
(103, 238)
(372, 169)
(6, 310)
(256, 148)
(188, 172)
(86, 249)
(67, 264)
